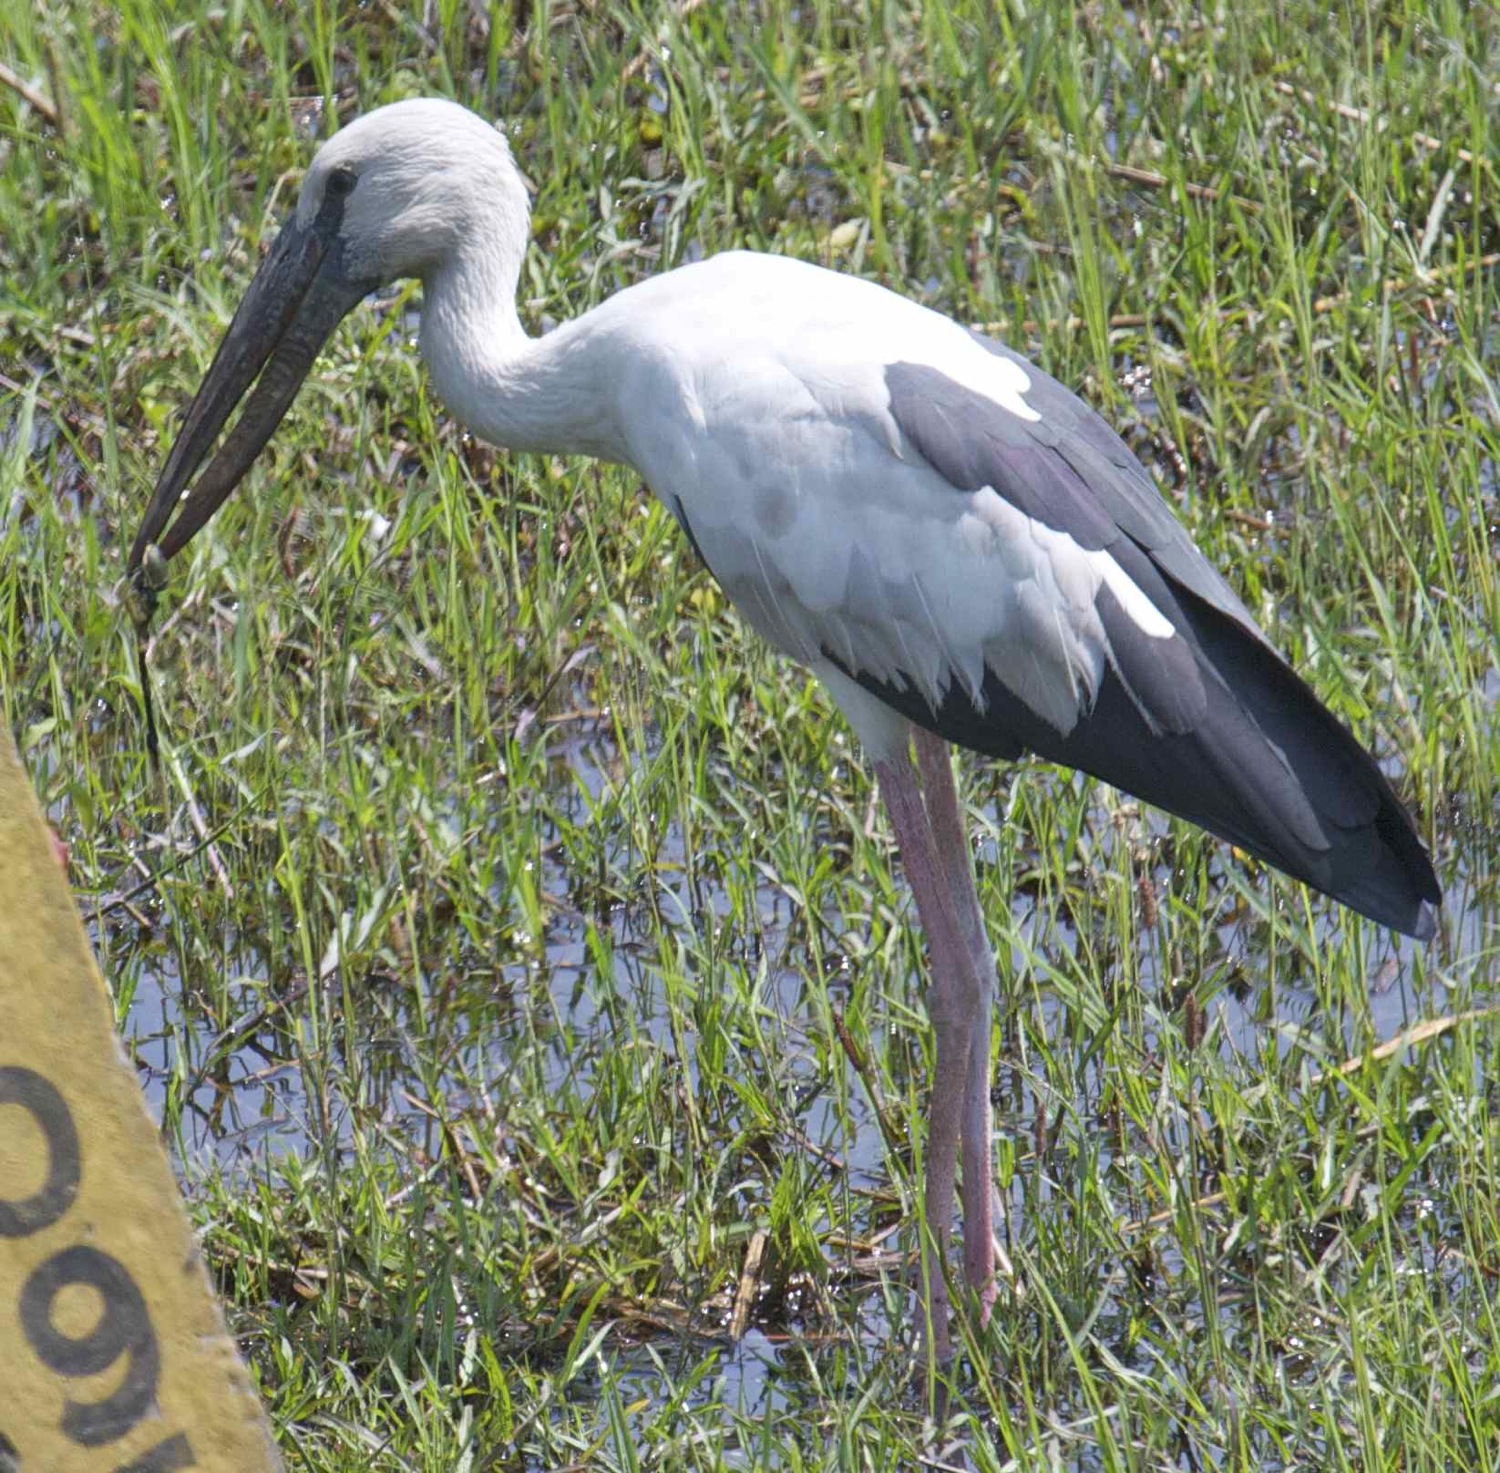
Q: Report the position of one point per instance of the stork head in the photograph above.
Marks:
(411, 183)
(399, 192)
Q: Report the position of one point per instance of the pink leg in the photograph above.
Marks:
(953, 1003)
(952, 845)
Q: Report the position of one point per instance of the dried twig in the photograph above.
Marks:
(1160, 1219)
(201, 828)
(1255, 523)
(1365, 117)
(1396, 284)
(55, 407)
(39, 101)
(1119, 321)
(1152, 180)
(1423, 1032)
(749, 1285)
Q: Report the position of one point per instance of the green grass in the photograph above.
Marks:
(502, 1014)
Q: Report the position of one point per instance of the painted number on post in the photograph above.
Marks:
(123, 1331)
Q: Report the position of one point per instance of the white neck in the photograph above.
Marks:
(545, 394)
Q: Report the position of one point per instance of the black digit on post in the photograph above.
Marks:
(123, 1329)
(40, 1099)
(165, 1457)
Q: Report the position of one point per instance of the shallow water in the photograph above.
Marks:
(258, 1103)
(257, 1106)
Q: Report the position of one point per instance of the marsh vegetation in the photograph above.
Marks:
(509, 945)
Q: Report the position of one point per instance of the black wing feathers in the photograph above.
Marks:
(1120, 485)
(1210, 724)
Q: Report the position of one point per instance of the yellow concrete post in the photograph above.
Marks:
(113, 1351)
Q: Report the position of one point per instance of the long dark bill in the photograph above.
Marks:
(298, 297)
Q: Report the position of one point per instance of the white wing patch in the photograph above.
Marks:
(999, 379)
(1079, 572)
(923, 337)
(1142, 612)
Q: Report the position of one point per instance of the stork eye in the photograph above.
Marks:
(341, 182)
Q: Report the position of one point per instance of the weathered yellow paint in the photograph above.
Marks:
(113, 1351)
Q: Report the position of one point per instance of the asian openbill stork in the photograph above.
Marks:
(959, 548)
